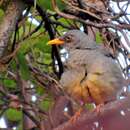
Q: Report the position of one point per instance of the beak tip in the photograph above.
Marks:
(55, 42)
(48, 43)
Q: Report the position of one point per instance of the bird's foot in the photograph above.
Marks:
(98, 108)
(76, 115)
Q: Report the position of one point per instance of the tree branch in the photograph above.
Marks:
(107, 24)
(112, 116)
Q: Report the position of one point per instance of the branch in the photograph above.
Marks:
(82, 10)
(96, 25)
(112, 116)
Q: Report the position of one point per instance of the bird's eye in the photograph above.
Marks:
(68, 39)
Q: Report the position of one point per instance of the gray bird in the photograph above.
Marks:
(91, 75)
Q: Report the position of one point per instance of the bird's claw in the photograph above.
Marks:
(76, 115)
(98, 108)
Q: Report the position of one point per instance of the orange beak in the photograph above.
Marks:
(56, 41)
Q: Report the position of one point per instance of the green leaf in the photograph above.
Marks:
(1, 14)
(40, 90)
(20, 126)
(1, 102)
(61, 5)
(89, 106)
(13, 114)
(45, 3)
(45, 104)
(41, 44)
(13, 65)
(26, 46)
(9, 83)
(99, 38)
(48, 6)
(24, 70)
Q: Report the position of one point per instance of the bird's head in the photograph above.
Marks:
(73, 39)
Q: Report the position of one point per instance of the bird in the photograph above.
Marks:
(91, 74)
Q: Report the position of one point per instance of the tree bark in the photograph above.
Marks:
(7, 26)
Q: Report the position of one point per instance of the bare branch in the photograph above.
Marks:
(114, 115)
